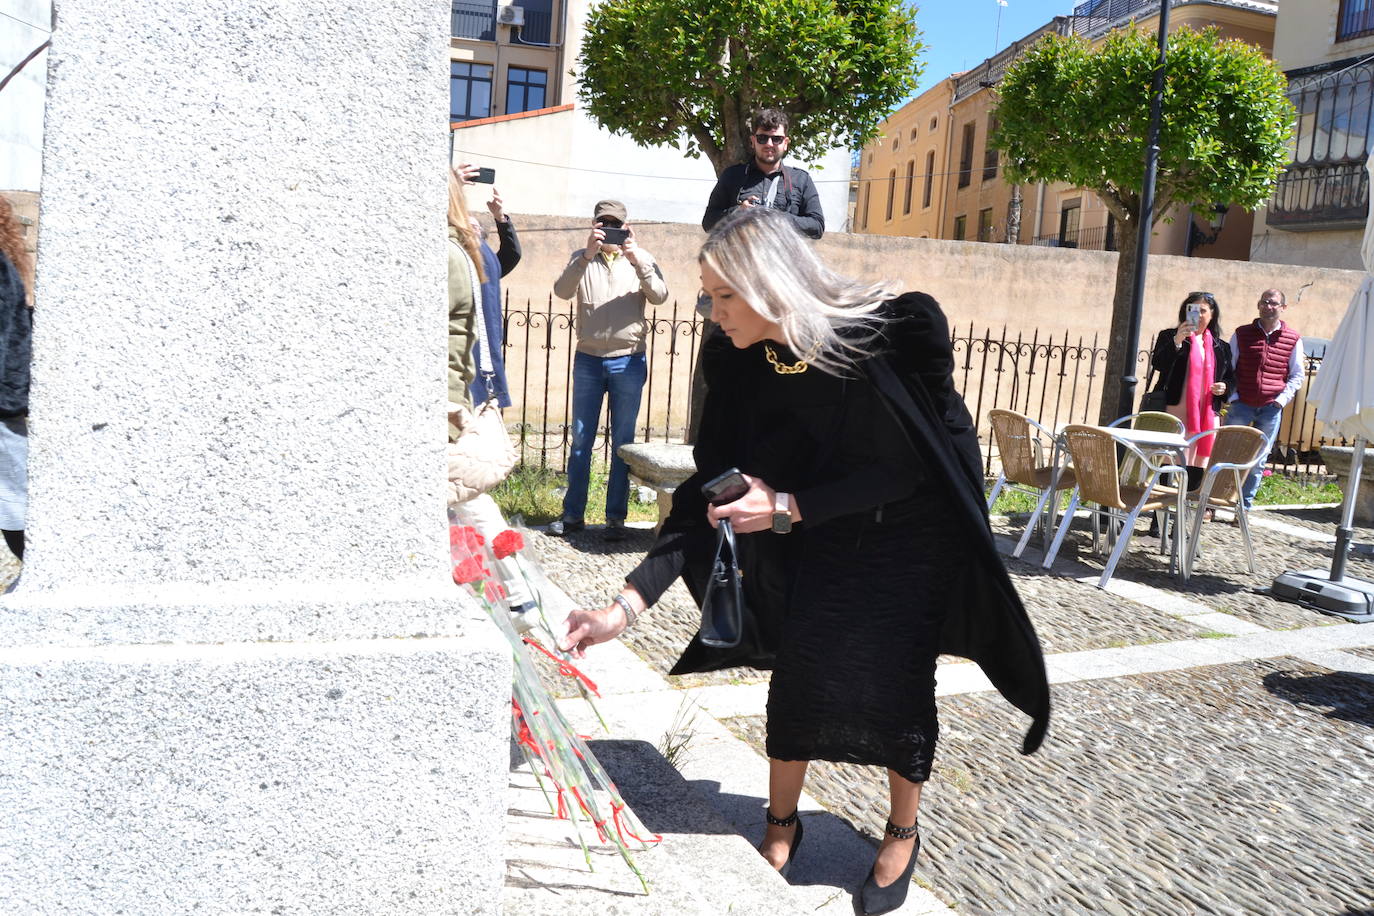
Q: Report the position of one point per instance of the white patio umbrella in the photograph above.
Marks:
(1343, 393)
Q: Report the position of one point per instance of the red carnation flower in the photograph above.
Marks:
(470, 570)
(465, 536)
(507, 543)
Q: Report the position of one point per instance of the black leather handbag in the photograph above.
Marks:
(722, 604)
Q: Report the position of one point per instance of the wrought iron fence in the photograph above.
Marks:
(1053, 378)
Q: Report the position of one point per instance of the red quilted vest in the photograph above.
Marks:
(1262, 362)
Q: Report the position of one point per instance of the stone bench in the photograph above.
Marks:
(1337, 459)
(660, 466)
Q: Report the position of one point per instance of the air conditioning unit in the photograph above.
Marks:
(510, 15)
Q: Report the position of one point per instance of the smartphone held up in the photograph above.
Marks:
(614, 235)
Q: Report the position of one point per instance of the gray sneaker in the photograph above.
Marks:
(562, 526)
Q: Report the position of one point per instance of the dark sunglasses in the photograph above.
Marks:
(766, 139)
(1211, 300)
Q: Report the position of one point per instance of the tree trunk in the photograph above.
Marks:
(1117, 344)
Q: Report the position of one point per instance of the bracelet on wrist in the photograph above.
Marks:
(630, 614)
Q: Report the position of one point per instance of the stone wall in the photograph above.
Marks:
(1026, 288)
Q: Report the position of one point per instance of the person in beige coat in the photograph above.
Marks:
(611, 281)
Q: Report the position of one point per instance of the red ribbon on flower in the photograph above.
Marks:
(507, 543)
(621, 829)
(565, 667)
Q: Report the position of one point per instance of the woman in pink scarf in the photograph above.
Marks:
(1195, 373)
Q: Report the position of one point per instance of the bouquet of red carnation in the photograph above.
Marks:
(551, 747)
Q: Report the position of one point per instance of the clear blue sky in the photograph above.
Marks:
(958, 34)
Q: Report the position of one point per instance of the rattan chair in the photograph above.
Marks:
(1093, 451)
(1022, 444)
(1235, 452)
(1156, 420)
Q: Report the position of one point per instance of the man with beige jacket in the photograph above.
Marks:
(610, 279)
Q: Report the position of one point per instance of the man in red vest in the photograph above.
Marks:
(1268, 359)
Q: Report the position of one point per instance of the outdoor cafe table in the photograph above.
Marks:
(1175, 446)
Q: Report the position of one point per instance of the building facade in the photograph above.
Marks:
(513, 107)
(507, 58)
(971, 200)
(1316, 217)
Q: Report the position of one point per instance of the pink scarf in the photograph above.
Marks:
(1197, 394)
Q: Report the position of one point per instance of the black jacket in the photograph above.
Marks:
(1172, 365)
(915, 375)
(16, 329)
(796, 196)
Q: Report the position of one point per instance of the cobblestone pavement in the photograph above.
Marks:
(1236, 788)
(1231, 789)
(1221, 579)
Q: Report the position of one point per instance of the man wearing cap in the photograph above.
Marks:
(610, 283)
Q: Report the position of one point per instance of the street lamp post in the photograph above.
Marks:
(1126, 400)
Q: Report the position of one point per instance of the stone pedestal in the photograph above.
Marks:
(1337, 461)
(662, 466)
(236, 675)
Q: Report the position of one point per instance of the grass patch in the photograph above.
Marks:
(1212, 634)
(536, 495)
(1278, 490)
(1012, 502)
(1275, 490)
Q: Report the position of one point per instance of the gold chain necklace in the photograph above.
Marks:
(796, 368)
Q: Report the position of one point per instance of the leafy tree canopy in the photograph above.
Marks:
(695, 70)
(1070, 113)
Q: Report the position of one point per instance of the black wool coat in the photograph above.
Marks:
(986, 621)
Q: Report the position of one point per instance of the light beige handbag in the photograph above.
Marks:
(483, 454)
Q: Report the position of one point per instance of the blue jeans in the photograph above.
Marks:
(1266, 420)
(622, 378)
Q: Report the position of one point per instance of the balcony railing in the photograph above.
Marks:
(1357, 20)
(537, 28)
(1094, 239)
(1326, 196)
(474, 20)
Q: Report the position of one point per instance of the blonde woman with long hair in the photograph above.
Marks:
(465, 327)
(863, 534)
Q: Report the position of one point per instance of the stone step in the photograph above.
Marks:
(702, 865)
(707, 805)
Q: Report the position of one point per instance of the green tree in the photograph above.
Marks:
(1070, 113)
(693, 71)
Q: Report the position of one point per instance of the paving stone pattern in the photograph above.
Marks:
(1221, 579)
(1239, 789)
(1071, 618)
(1362, 652)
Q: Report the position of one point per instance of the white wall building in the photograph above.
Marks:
(24, 26)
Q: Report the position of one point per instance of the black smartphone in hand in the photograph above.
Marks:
(725, 488)
(485, 176)
(614, 236)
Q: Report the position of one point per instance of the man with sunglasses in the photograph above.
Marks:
(765, 182)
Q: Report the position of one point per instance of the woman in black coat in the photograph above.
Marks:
(1195, 373)
(864, 534)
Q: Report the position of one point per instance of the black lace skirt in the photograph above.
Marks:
(854, 679)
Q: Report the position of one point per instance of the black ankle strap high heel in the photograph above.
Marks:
(875, 900)
(796, 837)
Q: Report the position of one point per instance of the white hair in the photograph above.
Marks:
(759, 252)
